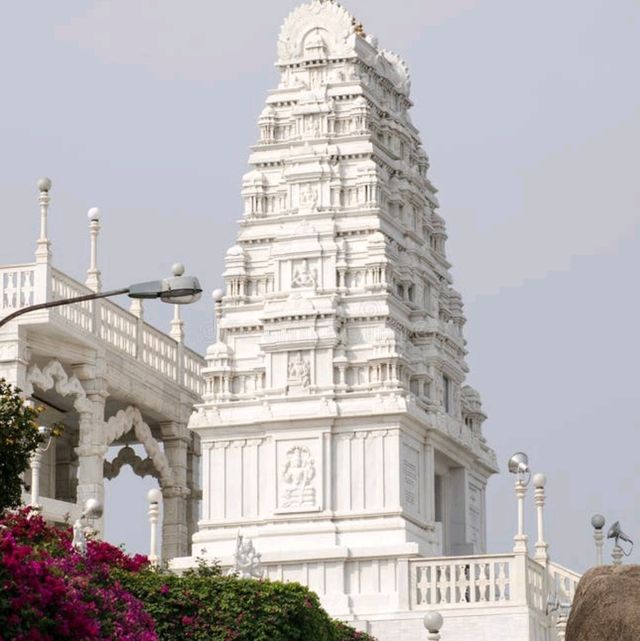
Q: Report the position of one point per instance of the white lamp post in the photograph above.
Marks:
(154, 497)
(519, 465)
(597, 521)
(35, 463)
(433, 624)
(542, 547)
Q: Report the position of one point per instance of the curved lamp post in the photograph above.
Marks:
(178, 289)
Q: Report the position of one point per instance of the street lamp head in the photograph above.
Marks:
(519, 463)
(181, 290)
(597, 521)
(92, 509)
(217, 295)
(44, 184)
(433, 621)
(178, 289)
(94, 214)
(154, 495)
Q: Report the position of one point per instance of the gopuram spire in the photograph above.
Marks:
(336, 423)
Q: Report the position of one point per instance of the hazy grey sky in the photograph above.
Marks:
(530, 112)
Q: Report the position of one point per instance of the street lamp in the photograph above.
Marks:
(519, 465)
(178, 290)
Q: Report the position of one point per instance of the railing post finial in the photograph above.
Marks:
(433, 623)
(43, 246)
(94, 280)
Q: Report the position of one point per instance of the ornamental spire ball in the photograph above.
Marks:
(217, 295)
(94, 214)
(44, 184)
(433, 621)
(539, 480)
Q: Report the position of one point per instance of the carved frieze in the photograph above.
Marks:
(297, 476)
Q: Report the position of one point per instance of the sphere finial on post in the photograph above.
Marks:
(43, 246)
(433, 623)
(94, 278)
(598, 522)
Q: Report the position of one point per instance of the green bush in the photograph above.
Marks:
(203, 605)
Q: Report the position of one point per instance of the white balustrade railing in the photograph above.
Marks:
(17, 286)
(456, 581)
(536, 586)
(109, 322)
(498, 580)
(80, 314)
(562, 582)
(118, 328)
(159, 351)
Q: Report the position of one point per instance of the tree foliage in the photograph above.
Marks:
(204, 605)
(19, 438)
(50, 592)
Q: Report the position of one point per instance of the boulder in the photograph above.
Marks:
(606, 606)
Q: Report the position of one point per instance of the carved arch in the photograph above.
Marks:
(131, 418)
(54, 376)
(127, 456)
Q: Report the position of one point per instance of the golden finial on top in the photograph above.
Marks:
(358, 28)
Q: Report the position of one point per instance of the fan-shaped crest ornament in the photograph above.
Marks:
(328, 18)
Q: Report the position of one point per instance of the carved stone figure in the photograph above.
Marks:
(246, 561)
(303, 276)
(79, 541)
(309, 198)
(299, 371)
(297, 476)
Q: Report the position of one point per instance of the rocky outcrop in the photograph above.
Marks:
(606, 606)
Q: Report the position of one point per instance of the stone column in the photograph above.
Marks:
(193, 484)
(92, 448)
(175, 522)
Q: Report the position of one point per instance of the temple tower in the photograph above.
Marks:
(336, 427)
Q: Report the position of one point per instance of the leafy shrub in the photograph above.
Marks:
(49, 592)
(203, 605)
